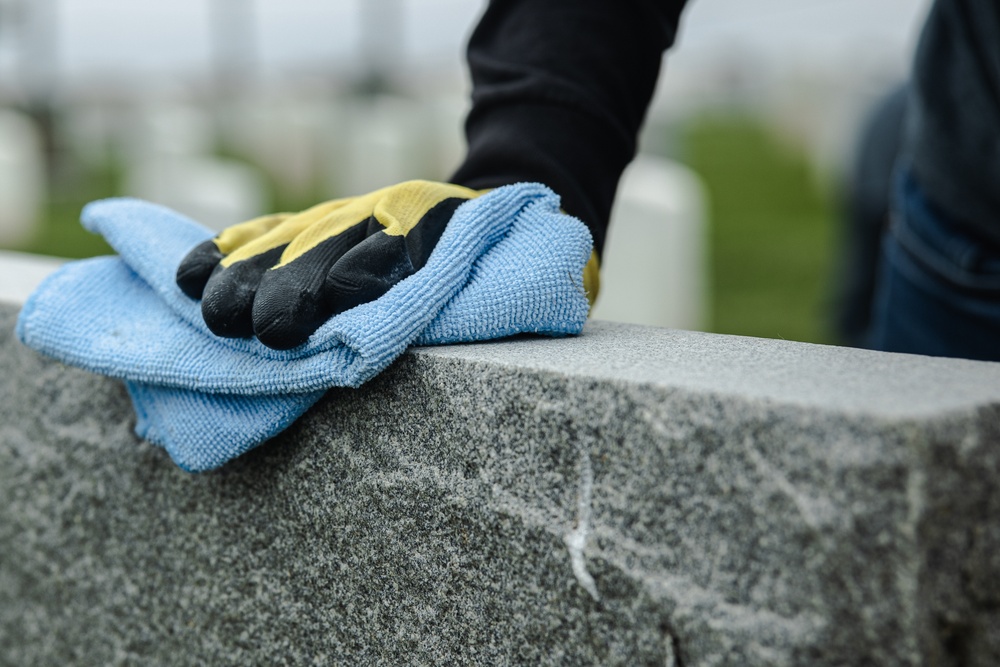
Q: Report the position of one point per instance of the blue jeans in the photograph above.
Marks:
(938, 287)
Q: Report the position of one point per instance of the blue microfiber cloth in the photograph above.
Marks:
(509, 262)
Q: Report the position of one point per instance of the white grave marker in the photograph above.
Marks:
(22, 176)
(654, 269)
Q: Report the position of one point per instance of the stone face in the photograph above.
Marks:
(633, 496)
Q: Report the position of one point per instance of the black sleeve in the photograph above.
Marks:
(560, 89)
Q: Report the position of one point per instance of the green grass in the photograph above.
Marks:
(58, 231)
(771, 238)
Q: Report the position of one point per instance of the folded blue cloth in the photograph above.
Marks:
(509, 262)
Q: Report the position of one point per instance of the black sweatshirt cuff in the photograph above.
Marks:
(570, 151)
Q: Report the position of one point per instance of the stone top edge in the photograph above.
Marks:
(824, 377)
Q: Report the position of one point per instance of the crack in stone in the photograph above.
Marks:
(576, 539)
(674, 659)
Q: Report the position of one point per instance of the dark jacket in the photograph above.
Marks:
(953, 135)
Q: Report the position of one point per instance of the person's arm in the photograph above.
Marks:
(560, 90)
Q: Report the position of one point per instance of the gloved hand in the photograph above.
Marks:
(280, 277)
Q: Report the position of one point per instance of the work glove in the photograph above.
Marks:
(280, 277)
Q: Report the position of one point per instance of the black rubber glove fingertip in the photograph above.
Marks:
(227, 303)
(285, 313)
(197, 267)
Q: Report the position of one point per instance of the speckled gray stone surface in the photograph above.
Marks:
(631, 497)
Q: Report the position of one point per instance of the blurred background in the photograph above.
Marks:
(226, 109)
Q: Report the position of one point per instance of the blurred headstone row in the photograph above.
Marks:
(172, 153)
